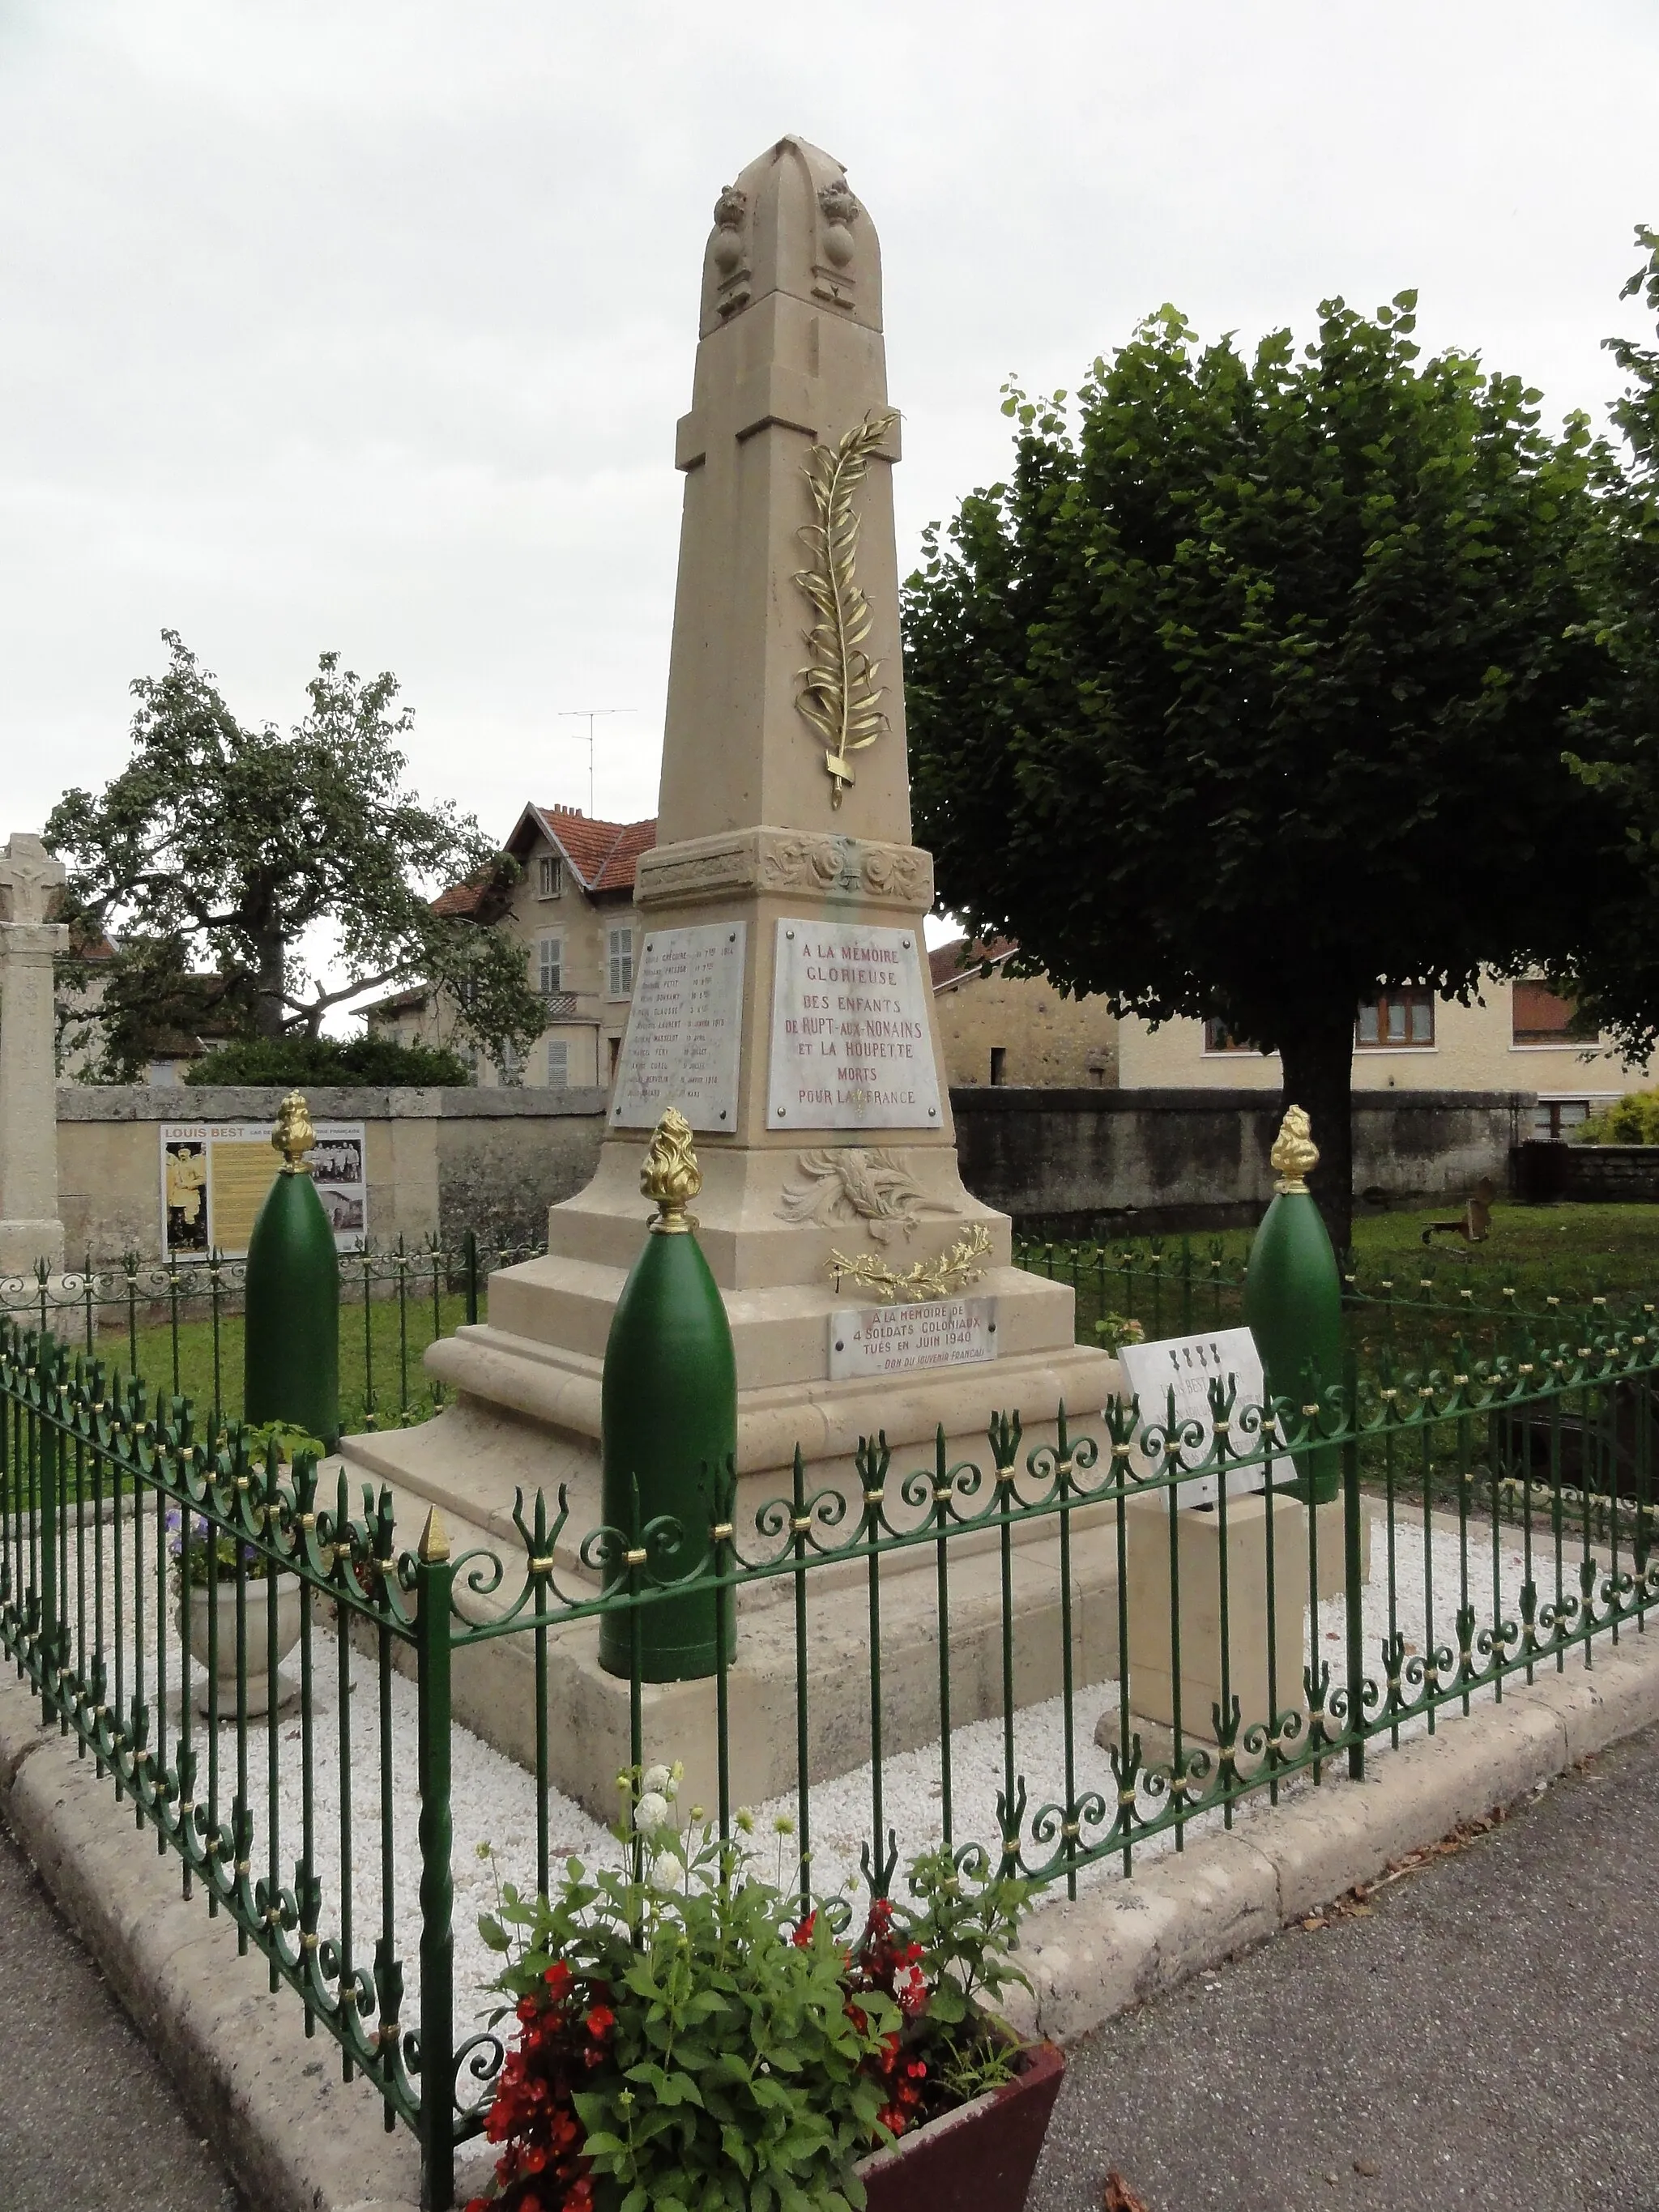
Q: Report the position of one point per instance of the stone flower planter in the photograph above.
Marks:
(259, 1682)
(980, 2158)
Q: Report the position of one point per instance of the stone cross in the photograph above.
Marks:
(29, 1228)
(28, 873)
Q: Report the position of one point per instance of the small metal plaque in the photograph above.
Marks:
(1188, 1365)
(852, 1047)
(894, 1339)
(684, 1029)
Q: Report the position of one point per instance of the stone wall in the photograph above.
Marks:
(1075, 1161)
(1628, 1174)
(438, 1160)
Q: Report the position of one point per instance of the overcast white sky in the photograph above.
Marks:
(365, 325)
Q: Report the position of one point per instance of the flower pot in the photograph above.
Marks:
(259, 1681)
(980, 2158)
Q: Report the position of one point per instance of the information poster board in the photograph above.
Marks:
(1188, 1365)
(214, 1175)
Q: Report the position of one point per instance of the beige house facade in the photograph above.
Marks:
(1516, 1036)
(997, 1029)
(573, 911)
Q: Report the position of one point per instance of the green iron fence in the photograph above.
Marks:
(180, 1322)
(1508, 1494)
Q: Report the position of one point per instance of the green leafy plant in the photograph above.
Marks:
(373, 1059)
(1114, 1330)
(687, 2042)
(1631, 1120)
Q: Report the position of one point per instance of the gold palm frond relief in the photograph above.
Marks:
(839, 695)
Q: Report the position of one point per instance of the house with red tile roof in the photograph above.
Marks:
(572, 907)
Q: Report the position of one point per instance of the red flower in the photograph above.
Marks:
(803, 1935)
(601, 2022)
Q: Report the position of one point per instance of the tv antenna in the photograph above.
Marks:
(590, 715)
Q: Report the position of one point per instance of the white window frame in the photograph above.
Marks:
(619, 962)
(549, 875)
(555, 965)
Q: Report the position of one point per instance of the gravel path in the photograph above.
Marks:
(1487, 2036)
(88, 2121)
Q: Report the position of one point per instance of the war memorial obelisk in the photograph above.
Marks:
(781, 1000)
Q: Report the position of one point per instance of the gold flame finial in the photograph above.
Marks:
(1294, 1153)
(671, 1175)
(293, 1136)
(434, 1546)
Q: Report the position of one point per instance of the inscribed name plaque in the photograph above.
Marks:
(851, 1047)
(894, 1339)
(684, 1029)
(1188, 1365)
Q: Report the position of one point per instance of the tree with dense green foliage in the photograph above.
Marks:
(1615, 735)
(195, 877)
(381, 1061)
(1246, 695)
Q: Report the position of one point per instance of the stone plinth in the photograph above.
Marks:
(1200, 1556)
(30, 1229)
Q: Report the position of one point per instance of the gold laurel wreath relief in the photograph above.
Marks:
(839, 694)
(950, 1274)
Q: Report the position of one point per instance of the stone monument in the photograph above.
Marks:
(30, 1229)
(782, 1005)
(783, 1000)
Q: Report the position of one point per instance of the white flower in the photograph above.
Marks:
(651, 1811)
(655, 1782)
(746, 1820)
(666, 1871)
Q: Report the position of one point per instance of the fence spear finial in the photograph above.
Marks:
(434, 1539)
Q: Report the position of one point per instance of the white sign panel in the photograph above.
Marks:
(1188, 1365)
(851, 1047)
(894, 1339)
(684, 1029)
(214, 1175)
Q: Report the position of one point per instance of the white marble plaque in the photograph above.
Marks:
(851, 1046)
(1188, 1365)
(894, 1339)
(684, 1029)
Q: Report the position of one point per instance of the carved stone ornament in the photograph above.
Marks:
(731, 261)
(822, 866)
(801, 864)
(874, 1187)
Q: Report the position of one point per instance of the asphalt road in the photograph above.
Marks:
(1487, 2036)
(88, 2121)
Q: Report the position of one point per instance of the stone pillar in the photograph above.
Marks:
(29, 1227)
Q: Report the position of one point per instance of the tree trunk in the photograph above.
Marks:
(269, 1014)
(1318, 1068)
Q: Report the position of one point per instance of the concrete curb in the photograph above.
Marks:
(297, 2139)
(1119, 1947)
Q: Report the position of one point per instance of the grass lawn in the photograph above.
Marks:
(383, 1383)
(1427, 1296)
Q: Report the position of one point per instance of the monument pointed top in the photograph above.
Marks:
(791, 223)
